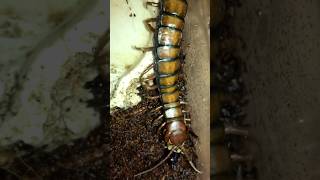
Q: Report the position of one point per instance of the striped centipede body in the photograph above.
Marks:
(167, 65)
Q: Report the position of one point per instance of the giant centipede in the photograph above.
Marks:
(167, 68)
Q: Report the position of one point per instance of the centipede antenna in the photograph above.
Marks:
(194, 167)
(157, 165)
(145, 71)
(190, 162)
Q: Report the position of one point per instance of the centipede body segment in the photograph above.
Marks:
(167, 65)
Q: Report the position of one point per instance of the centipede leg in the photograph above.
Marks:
(183, 103)
(157, 119)
(192, 133)
(187, 119)
(153, 97)
(185, 112)
(151, 77)
(151, 87)
(189, 160)
(153, 4)
(156, 109)
(144, 72)
(162, 125)
(143, 49)
(148, 25)
(145, 82)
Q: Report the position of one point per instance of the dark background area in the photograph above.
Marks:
(282, 55)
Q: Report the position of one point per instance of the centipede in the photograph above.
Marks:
(167, 66)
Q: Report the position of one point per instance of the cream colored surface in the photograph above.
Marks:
(126, 63)
(38, 103)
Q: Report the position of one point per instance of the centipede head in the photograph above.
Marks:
(176, 133)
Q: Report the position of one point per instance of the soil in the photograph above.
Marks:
(136, 145)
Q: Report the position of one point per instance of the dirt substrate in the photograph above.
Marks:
(136, 145)
(82, 159)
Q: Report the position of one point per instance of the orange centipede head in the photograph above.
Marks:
(176, 133)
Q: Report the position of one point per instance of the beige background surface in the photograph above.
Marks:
(198, 77)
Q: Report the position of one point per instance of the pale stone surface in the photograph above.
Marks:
(39, 102)
(128, 30)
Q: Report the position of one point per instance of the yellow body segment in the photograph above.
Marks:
(170, 97)
(166, 52)
(168, 81)
(168, 67)
(177, 7)
(172, 21)
(169, 36)
(168, 89)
